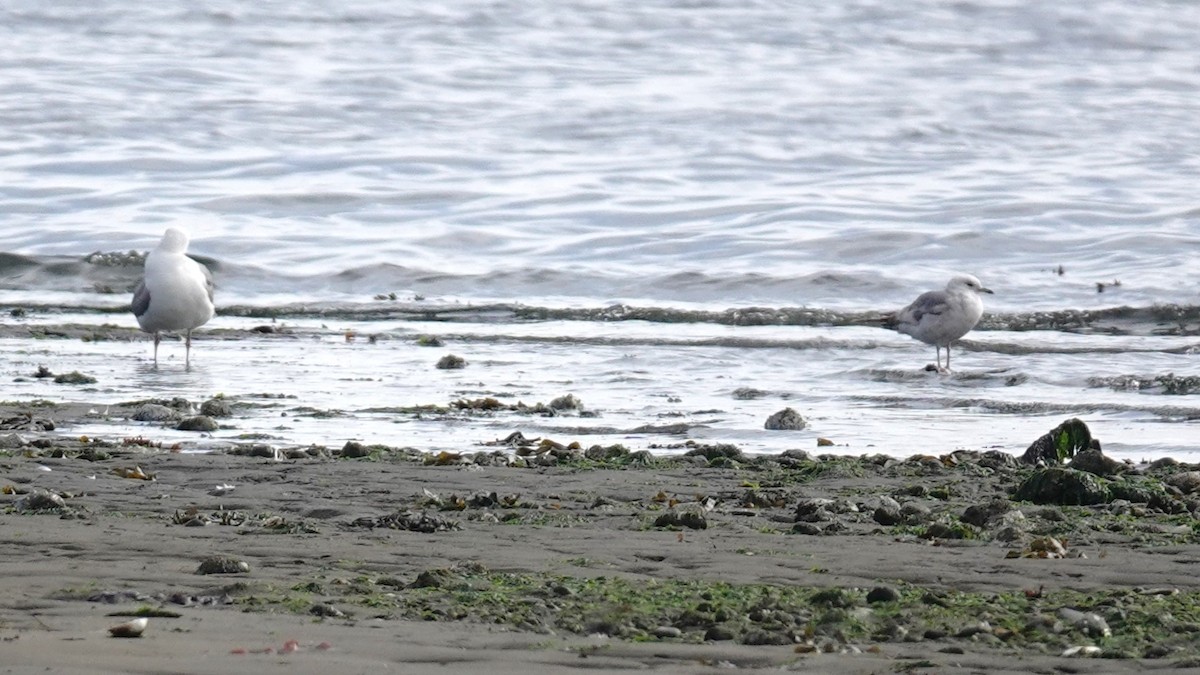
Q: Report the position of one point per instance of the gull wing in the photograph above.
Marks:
(141, 299)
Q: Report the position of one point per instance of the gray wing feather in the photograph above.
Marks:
(930, 302)
(208, 281)
(141, 299)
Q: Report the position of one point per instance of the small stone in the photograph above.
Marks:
(198, 423)
(785, 420)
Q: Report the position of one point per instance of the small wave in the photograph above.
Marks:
(1166, 413)
(1169, 384)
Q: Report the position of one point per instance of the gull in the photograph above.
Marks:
(939, 318)
(175, 293)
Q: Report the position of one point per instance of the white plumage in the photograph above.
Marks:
(175, 293)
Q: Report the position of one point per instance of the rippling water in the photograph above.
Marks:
(694, 157)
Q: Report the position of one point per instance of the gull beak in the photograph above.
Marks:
(986, 290)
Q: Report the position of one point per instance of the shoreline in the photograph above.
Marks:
(590, 558)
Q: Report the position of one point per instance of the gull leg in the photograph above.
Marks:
(947, 358)
(187, 350)
(156, 340)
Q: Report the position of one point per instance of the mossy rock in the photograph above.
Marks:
(1061, 443)
(1057, 485)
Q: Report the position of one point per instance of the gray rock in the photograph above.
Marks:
(719, 634)
(980, 515)
(327, 611)
(1186, 482)
(1088, 622)
(219, 564)
(785, 420)
(11, 441)
(1060, 444)
(451, 362)
(814, 510)
(1094, 461)
(916, 513)
(811, 529)
(216, 407)
(153, 412)
(888, 515)
(198, 423)
(567, 402)
(1062, 486)
(667, 632)
(883, 594)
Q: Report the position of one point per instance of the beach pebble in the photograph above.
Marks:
(785, 420)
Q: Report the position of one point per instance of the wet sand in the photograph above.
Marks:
(569, 559)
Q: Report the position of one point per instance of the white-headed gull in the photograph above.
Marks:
(939, 318)
(175, 293)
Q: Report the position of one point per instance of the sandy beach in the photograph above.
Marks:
(549, 557)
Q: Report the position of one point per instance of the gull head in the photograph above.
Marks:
(173, 241)
(966, 283)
